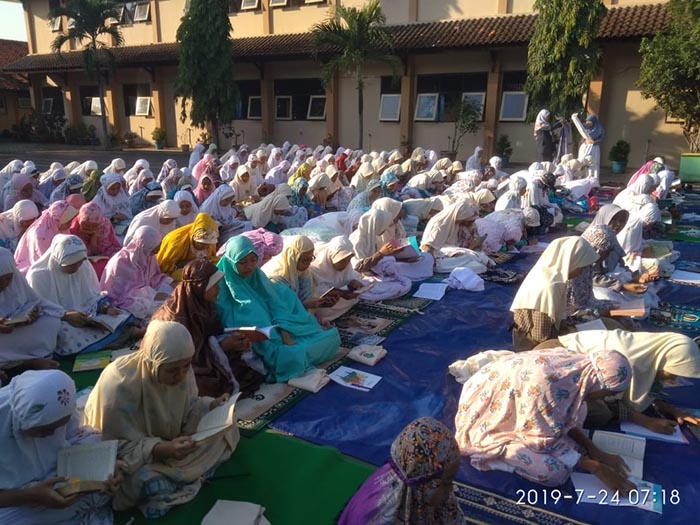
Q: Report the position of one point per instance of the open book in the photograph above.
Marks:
(108, 322)
(217, 420)
(254, 333)
(226, 512)
(635, 307)
(87, 466)
(345, 289)
(631, 448)
(21, 317)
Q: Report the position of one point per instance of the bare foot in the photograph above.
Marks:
(40, 364)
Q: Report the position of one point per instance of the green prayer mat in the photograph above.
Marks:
(680, 234)
(298, 483)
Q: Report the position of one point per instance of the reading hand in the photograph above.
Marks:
(44, 495)
(219, 401)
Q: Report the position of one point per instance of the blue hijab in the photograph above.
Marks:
(596, 131)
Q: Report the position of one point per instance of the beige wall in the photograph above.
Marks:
(170, 12)
(520, 6)
(431, 10)
(297, 19)
(396, 11)
(13, 113)
(43, 33)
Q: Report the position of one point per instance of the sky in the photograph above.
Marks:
(12, 21)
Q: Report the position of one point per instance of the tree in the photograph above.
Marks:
(670, 70)
(89, 23)
(354, 37)
(467, 115)
(205, 71)
(563, 55)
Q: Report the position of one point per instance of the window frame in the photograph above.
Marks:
(279, 3)
(435, 97)
(44, 109)
(24, 102)
(309, 116)
(145, 17)
(381, 108)
(482, 95)
(244, 7)
(138, 112)
(501, 118)
(250, 99)
(291, 101)
(95, 107)
(56, 24)
(309, 2)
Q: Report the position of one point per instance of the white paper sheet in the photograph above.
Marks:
(432, 291)
(226, 512)
(356, 379)
(639, 430)
(589, 489)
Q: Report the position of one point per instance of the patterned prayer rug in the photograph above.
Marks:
(502, 276)
(486, 508)
(672, 316)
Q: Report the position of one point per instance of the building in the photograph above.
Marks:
(14, 90)
(448, 48)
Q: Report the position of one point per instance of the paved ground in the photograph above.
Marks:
(44, 154)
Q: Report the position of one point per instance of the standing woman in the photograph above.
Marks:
(544, 142)
(540, 305)
(592, 133)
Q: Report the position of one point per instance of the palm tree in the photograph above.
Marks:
(353, 37)
(88, 23)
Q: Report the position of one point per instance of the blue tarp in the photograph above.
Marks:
(415, 383)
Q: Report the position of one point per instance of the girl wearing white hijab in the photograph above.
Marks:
(63, 276)
(417, 266)
(278, 174)
(219, 205)
(30, 344)
(375, 261)
(655, 358)
(474, 162)
(539, 306)
(15, 221)
(138, 167)
(117, 166)
(631, 238)
(271, 208)
(10, 169)
(148, 400)
(276, 157)
(84, 169)
(196, 155)
(243, 185)
(512, 199)
(637, 194)
(112, 198)
(229, 169)
(188, 208)
(362, 177)
(451, 238)
(38, 419)
(162, 217)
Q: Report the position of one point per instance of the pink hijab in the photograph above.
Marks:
(107, 242)
(133, 268)
(37, 239)
(200, 193)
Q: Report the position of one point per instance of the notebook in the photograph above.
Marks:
(254, 333)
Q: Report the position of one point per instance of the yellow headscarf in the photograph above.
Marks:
(176, 246)
(302, 172)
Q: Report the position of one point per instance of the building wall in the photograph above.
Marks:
(12, 113)
(430, 10)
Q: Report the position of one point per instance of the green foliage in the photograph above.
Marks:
(503, 147)
(670, 70)
(563, 54)
(349, 39)
(158, 134)
(205, 73)
(620, 152)
(467, 115)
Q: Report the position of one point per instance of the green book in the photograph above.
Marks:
(92, 361)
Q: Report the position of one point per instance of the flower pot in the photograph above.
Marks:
(159, 144)
(619, 167)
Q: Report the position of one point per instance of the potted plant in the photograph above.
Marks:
(130, 139)
(466, 120)
(159, 137)
(504, 150)
(619, 155)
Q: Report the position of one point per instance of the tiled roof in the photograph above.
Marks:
(505, 30)
(11, 51)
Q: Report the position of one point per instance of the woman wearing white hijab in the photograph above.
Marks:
(539, 306)
(148, 400)
(30, 344)
(362, 177)
(188, 208)
(162, 217)
(512, 199)
(196, 155)
(63, 276)
(637, 194)
(278, 174)
(474, 162)
(229, 169)
(117, 166)
(138, 167)
(112, 199)
(631, 238)
(271, 208)
(275, 159)
(451, 238)
(219, 205)
(374, 260)
(10, 169)
(38, 418)
(15, 221)
(655, 358)
(243, 185)
(415, 265)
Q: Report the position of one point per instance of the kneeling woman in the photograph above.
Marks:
(524, 413)
(64, 277)
(192, 241)
(250, 299)
(148, 401)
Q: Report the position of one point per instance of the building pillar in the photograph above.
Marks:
(267, 103)
(113, 95)
(594, 97)
(413, 10)
(494, 88)
(155, 21)
(408, 104)
(160, 106)
(267, 17)
(332, 109)
(35, 83)
(31, 29)
(502, 7)
(74, 104)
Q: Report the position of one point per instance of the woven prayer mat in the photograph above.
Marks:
(273, 399)
(488, 508)
(359, 322)
(673, 316)
(502, 276)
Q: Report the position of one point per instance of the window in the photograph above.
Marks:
(477, 99)
(247, 89)
(513, 106)
(390, 108)
(132, 92)
(283, 108)
(278, 3)
(132, 12)
(143, 106)
(3, 106)
(141, 12)
(55, 24)
(249, 4)
(427, 106)
(314, 1)
(87, 94)
(24, 103)
(450, 88)
(317, 108)
(95, 106)
(254, 108)
(47, 106)
(300, 90)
